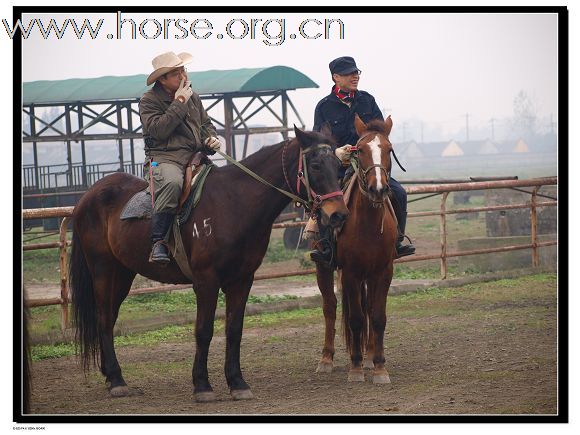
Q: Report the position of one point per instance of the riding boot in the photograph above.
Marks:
(323, 252)
(403, 250)
(160, 226)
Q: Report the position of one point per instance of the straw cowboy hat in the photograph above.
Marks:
(166, 62)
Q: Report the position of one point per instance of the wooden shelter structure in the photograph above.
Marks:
(106, 108)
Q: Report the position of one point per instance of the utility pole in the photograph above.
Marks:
(405, 131)
(492, 129)
(551, 123)
(422, 141)
(467, 127)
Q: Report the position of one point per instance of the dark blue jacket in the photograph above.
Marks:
(340, 117)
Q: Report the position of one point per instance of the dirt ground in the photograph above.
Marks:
(480, 349)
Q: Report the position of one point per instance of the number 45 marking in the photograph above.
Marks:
(206, 229)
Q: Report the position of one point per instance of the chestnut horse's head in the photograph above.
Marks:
(321, 174)
(374, 155)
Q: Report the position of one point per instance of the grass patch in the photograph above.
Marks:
(185, 332)
(49, 351)
(46, 320)
(403, 271)
(41, 266)
(277, 252)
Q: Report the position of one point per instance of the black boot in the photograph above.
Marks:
(403, 250)
(324, 249)
(160, 226)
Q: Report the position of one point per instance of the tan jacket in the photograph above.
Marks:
(172, 130)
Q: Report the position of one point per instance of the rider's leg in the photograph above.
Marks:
(400, 207)
(167, 183)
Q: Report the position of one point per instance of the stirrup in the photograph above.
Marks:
(160, 257)
(318, 255)
(405, 249)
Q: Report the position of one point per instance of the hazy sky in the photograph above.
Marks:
(433, 67)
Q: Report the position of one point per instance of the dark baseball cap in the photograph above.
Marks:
(343, 65)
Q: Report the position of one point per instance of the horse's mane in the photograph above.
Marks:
(264, 154)
(377, 126)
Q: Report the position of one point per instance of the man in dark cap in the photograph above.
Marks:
(338, 110)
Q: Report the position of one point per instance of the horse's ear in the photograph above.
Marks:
(388, 124)
(359, 125)
(302, 137)
(326, 130)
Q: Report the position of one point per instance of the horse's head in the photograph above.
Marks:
(374, 154)
(320, 173)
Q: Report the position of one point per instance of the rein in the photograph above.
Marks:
(314, 200)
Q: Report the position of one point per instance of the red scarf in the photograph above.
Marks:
(347, 97)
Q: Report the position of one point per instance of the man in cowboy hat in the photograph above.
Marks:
(175, 126)
(338, 110)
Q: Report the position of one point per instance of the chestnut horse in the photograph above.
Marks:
(226, 239)
(365, 254)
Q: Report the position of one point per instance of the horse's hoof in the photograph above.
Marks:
(356, 375)
(120, 391)
(381, 378)
(242, 394)
(205, 396)
(368, 364)
(324, 367)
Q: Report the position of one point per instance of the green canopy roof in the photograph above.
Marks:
(130, 87)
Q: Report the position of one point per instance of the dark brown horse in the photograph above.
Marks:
(365, 254)
(226, 238)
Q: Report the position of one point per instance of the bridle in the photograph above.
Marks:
(314, 200)
(362, 178)
(362, 172)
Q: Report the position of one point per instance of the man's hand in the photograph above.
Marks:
(344, 152)
(184, 92)
(213, 143)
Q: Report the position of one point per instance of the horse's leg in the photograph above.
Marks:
(236, 298)
(352, 288)
(207, 296)
(378, 289)
(325, 279)
(370, 348)
(369, 345)
(112, 284)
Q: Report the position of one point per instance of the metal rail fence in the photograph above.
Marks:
(442, 255)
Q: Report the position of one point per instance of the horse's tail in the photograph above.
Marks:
(346, 331)
(84, 310)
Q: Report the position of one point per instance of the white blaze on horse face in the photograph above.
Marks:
(376, 152)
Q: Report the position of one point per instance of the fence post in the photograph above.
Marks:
(63, 275)
(534, 221)
(443, 235)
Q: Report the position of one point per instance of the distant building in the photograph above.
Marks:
(452, 149)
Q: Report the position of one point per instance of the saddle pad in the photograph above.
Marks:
(139, 206)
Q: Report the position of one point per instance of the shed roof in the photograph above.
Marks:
(130, 87)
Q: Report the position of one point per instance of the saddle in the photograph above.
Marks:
(140, 207)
